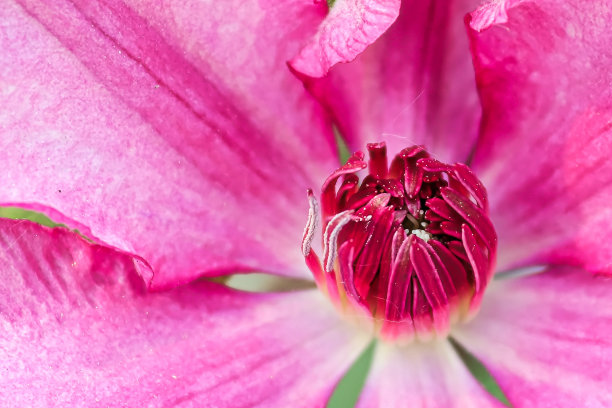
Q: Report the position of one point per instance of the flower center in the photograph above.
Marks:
(409, 249)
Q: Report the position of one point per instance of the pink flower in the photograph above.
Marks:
(172, 135)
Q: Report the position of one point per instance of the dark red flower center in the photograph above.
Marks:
(410, 247)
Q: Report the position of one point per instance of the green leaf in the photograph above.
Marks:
(21, 214)
(349, 388)
(17, 213)
(480, 372)
(343, 151)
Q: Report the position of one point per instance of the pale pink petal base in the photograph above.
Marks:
(149, 127)
(543, 72)
(77, 328)
(350, 27)
(422, 375)
(414, 85)
(547, 338)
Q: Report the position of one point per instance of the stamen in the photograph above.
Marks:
(378, 160)
(424, 235)
(311, 224)
(330, 238)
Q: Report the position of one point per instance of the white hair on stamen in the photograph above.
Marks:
(311, 224)
(330, 238)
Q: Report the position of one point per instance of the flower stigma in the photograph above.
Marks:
(409, 250)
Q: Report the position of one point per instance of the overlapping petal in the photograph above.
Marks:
(164, 130)
(546, 338)
(543, 72)
(349, 27)
(415, 85)
(79, 329)
(422, 375)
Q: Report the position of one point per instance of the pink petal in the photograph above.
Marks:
(546, 338)
(544, 76)
(349, 28)
(79, 329)
(494, 12)
(173, 131)
(422, 375)
(415, 85)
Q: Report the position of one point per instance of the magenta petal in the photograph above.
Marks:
(350, 26)
(422, 375)
(415, 85)
(430, 279)
(546, 338)
(398, 288)
(79, 329)
(543, 71)
(156, 133)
